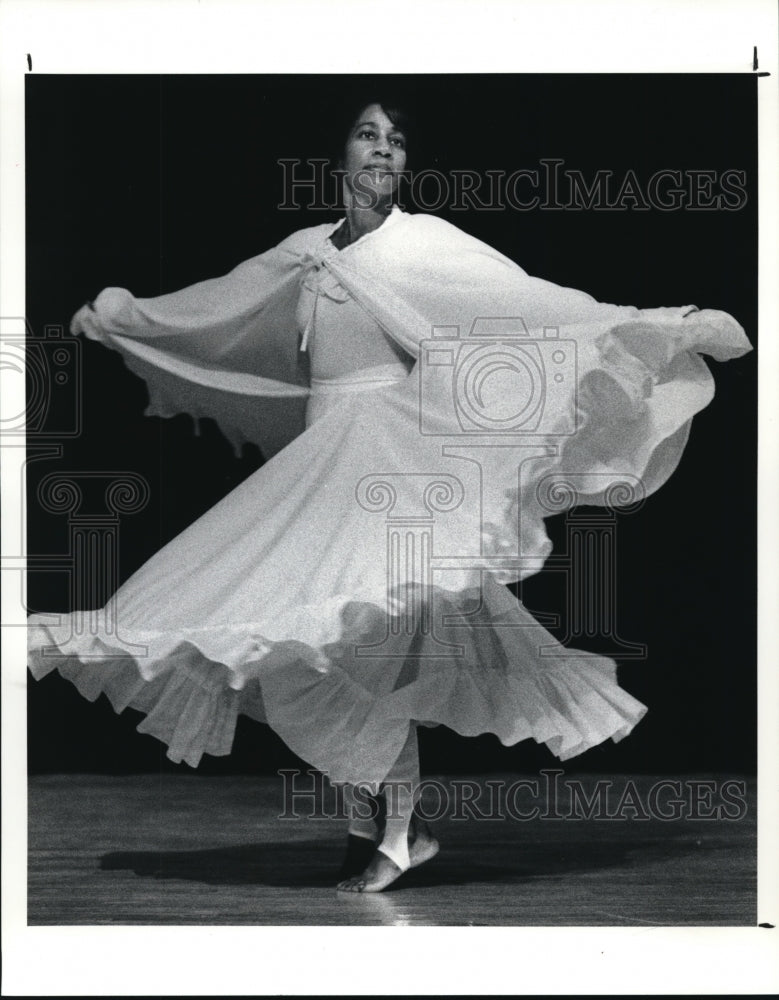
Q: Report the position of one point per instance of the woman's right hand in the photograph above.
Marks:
(84, 321)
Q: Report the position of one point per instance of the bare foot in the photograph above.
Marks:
(379, 873)
(422, 845)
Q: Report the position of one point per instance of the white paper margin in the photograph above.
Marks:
(227, 36)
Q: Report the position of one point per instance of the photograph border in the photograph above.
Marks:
(98, 36)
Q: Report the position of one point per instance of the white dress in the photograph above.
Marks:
(355, 582)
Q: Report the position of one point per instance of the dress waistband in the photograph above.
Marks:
(362, 379)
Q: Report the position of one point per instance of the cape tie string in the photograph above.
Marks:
(333, 290)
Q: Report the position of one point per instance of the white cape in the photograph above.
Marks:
(353, 584)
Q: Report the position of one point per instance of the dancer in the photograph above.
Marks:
(419, 398)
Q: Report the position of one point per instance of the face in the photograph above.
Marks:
(375, 155)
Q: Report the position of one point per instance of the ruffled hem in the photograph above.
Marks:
(340, 708)
(282, 602)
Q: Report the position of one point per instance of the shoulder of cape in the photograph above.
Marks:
(434, 228)
(437, 239)
(304, 240)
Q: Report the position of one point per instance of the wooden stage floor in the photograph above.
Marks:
(181, 849)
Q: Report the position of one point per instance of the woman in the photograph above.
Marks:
(352, 588)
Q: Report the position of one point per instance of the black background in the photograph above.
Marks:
(152, 183)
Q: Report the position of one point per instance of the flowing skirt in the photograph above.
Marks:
(355, 583)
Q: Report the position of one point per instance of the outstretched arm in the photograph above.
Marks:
(206, 348)
(424, 273)
(218, 305)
